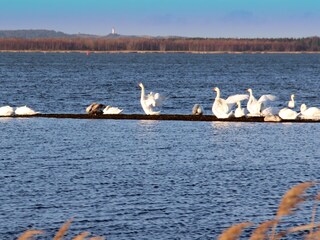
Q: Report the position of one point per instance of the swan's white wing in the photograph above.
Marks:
(267, 97)
(220, 107)
(149, 101)
(112, 110)
(236, 98)
(288, 114)
(6, 111)
(314, 110)
(270, 111)
(158, 99)
(154, 99)
(311, 112)
(156, 96)
(25, 111)
(154, 113)
(231, 100)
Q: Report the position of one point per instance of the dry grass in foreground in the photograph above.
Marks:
(264, 231)
(288, 205)
(29, 234)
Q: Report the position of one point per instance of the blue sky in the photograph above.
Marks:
(190, 18)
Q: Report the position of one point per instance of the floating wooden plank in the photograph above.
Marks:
(166, 117)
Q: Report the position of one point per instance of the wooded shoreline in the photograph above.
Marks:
(162, 45)
(149, 52)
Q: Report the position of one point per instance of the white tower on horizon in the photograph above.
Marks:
(113, 31)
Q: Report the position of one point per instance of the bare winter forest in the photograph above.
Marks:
(310, 44)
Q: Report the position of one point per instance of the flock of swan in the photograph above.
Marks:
(224, 108)
(221, 108)
(7, 111)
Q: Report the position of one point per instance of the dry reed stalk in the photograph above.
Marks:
(290, 201)
(282, 234)
(233, 232)
(97, 238)
(314, 210)
(313, 216)
(313, 235)
(28, 234)
(81, 236)
(260, 233)
(303, 228)
(64, 228)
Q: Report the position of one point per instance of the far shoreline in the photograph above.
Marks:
(159, 52)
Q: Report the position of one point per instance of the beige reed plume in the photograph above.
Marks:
(290, 201)
(62, 231)
(261, 232)
(292, 198)
(81, 236)
(29, 234)
(233, 232)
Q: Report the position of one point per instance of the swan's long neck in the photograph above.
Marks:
(142, 91)
(292, 103)
(218, 93)
(250, 94)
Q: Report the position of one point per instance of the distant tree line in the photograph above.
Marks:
(310, 44)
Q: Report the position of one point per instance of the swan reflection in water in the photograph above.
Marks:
(148, 122)
(148, 130)
(226, 124)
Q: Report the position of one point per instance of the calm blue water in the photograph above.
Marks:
(150, 179)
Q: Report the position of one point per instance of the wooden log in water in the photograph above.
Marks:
(167, 117)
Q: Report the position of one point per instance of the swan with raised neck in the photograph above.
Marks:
(150, 101)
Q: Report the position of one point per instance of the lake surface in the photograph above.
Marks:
(126, 179)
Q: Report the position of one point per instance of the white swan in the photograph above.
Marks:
(112, 110)
(95, 109)
(270, 111)
(197, 110)
(288, 114)
(148, 102)
(24, 110)
(255, 106)
(6, 111)
(309, 113)
(240, 112)
(291, 103)
(222, 108)
(272, 118)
